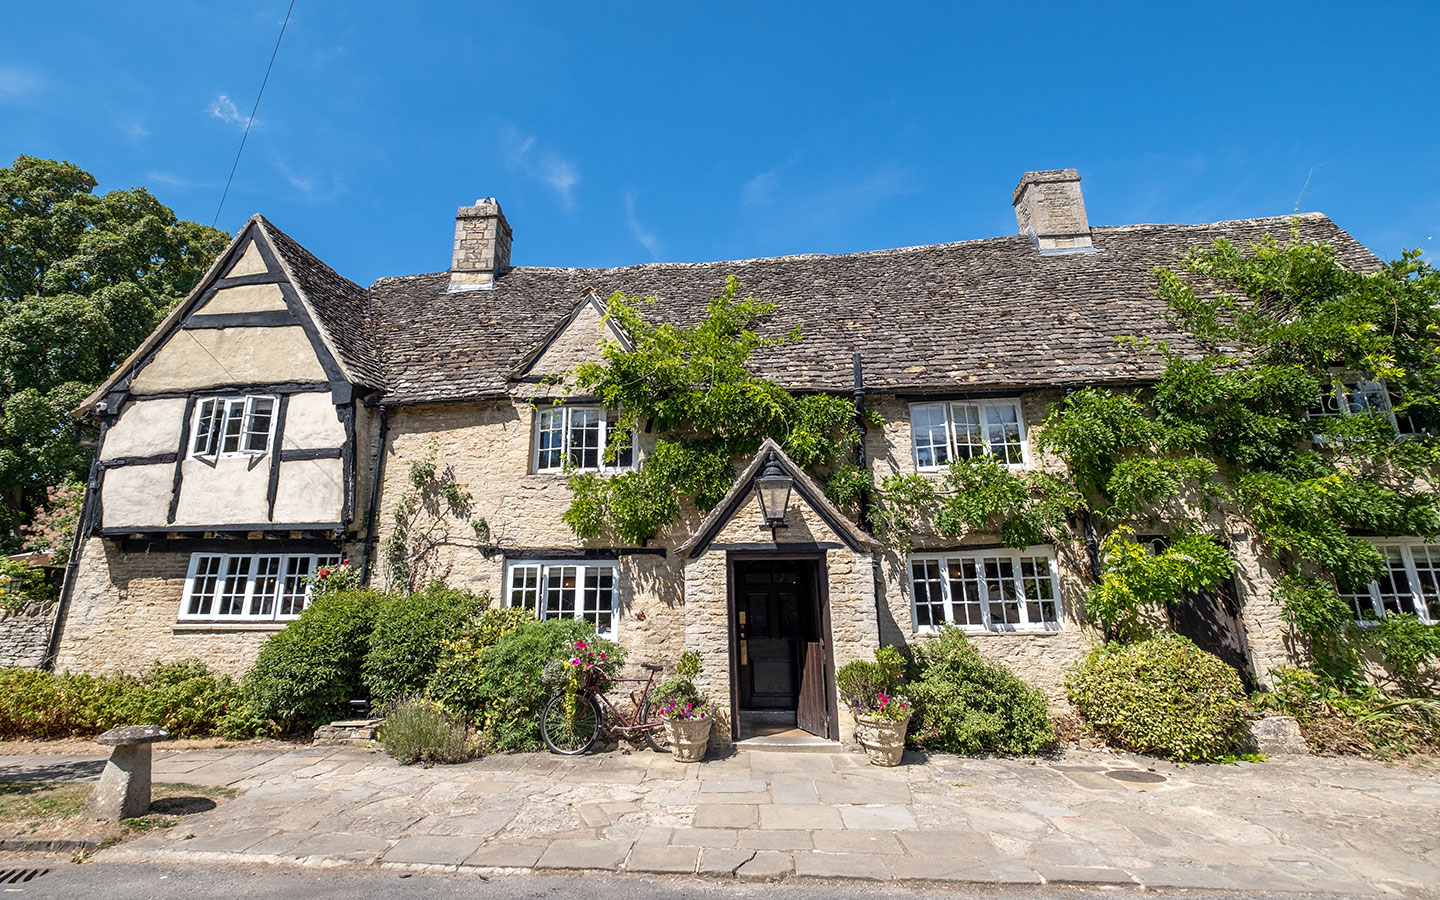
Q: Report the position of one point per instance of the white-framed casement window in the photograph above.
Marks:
(566, 589)
(249, 587)
(986, 590)
(575, 438)
(1411, 583)
(940, 432)
(232, 426)
(1352, 395)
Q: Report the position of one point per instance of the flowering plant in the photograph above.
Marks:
(884, 706)
(334, 579)
(588, 664)
(687, 710)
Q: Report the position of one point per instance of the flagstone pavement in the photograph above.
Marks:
(1301, 824)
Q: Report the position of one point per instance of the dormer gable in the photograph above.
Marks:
(578, 338)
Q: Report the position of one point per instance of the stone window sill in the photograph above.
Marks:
(229, 626)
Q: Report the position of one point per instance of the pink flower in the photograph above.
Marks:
(579, 645)
(575, 661)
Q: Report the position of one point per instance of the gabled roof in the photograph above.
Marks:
(989, 314)
(338, 307)
(741, 492)
(591, 303)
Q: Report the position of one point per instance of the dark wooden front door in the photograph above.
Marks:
(779, 634)
(1212, 620)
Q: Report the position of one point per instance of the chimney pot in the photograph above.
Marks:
(482, 246)
(1050, 210)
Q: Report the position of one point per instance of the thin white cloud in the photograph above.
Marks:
(171, 180)
(318, 188)
(554, 171)
(18, 82)
(645, 236)
(224, 109)
(135, 130)
(761, 189)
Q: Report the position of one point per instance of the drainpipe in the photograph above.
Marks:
(83, 529)
(860, 425)
(372, 514)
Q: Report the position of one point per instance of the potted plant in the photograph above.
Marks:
(688, 718)
(882, 715)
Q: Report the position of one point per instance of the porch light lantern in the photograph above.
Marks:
(772, 488)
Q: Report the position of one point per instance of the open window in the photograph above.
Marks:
(232, 426)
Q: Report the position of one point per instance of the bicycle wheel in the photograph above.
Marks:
(657, 738)
(568, 735)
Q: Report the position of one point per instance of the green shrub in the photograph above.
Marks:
(305, 675)
(456, 684)
(512, 693)
(421, 731)
(22, 584)
(1410, 651)
(681, 689)
(860, 681)
(1164, 696)
(1352, 717)
(410, 637)
(184, 698)
(967, 704)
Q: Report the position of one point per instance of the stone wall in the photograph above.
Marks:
(122, 617)
(25, 636)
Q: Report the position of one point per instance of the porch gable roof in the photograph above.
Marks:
(740, 492)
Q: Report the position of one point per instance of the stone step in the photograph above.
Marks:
(789, 744)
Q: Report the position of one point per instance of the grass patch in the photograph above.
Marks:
(31, 808)
(25, 801)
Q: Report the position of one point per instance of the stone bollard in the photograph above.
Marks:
(124, 788)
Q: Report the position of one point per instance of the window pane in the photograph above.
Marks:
(295, 590)
(203, 442)
(1363, 603)
(234, 420)
(1004, 603)
(929, 595)
(1038, 580)
(1003, 432)
(267, 586)
(1427, 571)
(203, 587)
(599, 597)
(929, 435)
(560, 589)
(965, 422)
(525, 587)
(551, 439)
(965, 595)
(257, 424)
(1395, 592)
(625, 455)
(585, 438)
(1366, 397)
(237, 579)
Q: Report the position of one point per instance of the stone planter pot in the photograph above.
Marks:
(883, 739)
(688, 738)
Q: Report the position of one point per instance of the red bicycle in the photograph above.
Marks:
(571, 725)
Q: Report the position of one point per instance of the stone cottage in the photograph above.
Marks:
(247, 442)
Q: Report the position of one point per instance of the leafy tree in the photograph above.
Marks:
(84, 278)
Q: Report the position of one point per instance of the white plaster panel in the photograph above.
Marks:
(245, 298)
(136, 495)
(145, 428)
(310, 490)
(215, 357)
(227, 491)
(313, 422)
(252, 263)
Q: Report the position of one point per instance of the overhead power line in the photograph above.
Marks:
(253, 110)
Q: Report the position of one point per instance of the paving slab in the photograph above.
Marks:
(766, 865)
(433, 850)
(663, 860)
(717, 838)
(584, 854)
(726, 815)
(895, 818)
(863, 840)
(506, 855)
(801, 816)
(776, 839)
(858, 866)
(722, 863)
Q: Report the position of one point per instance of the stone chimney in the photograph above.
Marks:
(482, 246)
(1051, 211)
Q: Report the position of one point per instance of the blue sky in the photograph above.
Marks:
(720, 131)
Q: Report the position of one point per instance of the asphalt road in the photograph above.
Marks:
(223, 882)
